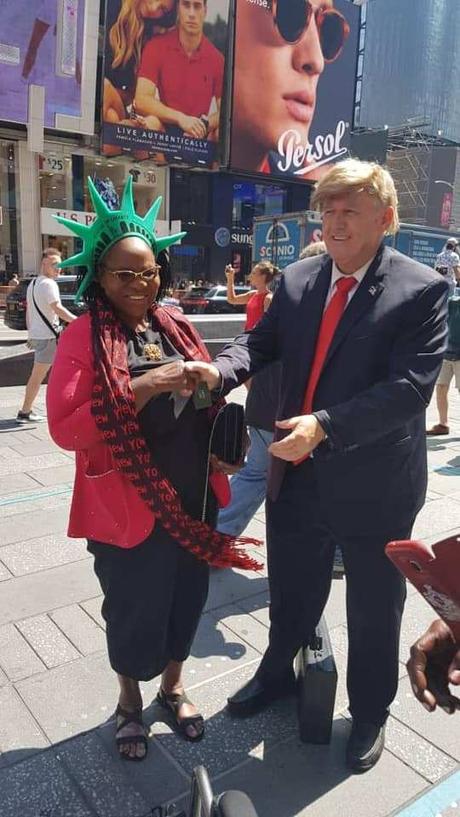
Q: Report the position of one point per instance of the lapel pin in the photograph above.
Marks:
(373, 290)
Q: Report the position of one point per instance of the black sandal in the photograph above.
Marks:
(172, 703)
(130, 717)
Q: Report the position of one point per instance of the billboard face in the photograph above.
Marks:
(41, 43)
(293, 85)
(164, 80)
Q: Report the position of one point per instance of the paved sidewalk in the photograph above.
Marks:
(57, 692)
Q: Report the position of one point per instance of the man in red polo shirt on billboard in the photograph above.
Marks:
(180, 74)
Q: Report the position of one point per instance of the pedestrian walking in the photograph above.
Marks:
(450, 369)
(44, 310)
(360, 333)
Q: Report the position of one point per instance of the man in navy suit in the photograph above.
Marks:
(360, 333)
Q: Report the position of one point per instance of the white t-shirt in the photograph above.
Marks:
(46, 292)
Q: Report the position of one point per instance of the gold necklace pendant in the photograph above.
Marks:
(152, 351)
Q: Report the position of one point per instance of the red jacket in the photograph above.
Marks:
(105, 504)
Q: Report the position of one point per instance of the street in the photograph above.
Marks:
(58, 693)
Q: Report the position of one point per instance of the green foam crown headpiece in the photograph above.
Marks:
(111, 226)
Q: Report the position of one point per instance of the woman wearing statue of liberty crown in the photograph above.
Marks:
(119, 396)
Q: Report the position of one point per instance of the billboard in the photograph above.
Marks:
(164, 79)
(293, 86)
(45, 44)
(278, 240)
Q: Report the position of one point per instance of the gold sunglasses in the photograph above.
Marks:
(127, 276)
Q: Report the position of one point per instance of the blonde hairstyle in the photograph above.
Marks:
(267, 269)
(354, 176)
(315, 248)
(126, 34)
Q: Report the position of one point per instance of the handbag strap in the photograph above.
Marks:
(44, 319)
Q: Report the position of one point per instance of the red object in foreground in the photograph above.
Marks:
(435, 571)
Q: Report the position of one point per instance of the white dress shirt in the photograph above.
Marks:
(336, 274)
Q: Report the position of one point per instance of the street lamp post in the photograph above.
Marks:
(442, 181)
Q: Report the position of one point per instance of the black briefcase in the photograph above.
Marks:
(317, 684)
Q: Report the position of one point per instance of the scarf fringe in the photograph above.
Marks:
(230, 556)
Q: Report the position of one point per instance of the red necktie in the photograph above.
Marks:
(329, 323)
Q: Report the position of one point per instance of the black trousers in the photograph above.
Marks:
(154, 595)
(300, 560)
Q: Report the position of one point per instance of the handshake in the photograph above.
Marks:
(196, 373)
(184, 378)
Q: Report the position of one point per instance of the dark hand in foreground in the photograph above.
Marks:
(434, 663)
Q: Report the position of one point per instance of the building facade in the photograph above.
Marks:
(411, 67)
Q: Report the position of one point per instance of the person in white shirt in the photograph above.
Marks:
(43, 329)
(448, 264)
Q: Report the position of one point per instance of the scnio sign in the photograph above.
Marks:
(279, 242)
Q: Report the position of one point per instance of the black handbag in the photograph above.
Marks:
(228, 434)
(317, 684)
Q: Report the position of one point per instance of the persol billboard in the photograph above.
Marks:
(164, 79)
(293, 85)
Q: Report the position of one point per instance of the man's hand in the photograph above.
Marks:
(434, 663)
(192, 126)
(306, 434)
(198, 371)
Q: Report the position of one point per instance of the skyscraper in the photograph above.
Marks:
(411, 65)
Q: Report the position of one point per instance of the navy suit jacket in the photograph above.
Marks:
(375, 385)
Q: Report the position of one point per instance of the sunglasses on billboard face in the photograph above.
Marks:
(292, 18)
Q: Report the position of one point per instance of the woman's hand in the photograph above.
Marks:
(197, 371)
(168, 378)
(224, 467)
(229, 272)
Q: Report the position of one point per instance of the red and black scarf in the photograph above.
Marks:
(114, 409)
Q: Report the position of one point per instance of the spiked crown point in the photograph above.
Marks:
(111, 226)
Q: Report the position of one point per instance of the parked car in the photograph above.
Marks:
(193, 301)
(16, 303)
(169, 301)
(217, 304)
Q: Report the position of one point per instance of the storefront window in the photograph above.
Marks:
(111, 177)
(250, 200)
(9, 211)
(63, 190)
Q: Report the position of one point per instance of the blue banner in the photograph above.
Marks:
(277, 241)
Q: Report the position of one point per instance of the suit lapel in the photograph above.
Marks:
(368, 291)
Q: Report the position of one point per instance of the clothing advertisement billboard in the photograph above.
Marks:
(43, 43)
(293, 85)
(164, 79)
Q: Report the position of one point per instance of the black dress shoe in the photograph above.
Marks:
(365, 745)
(258, 694)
